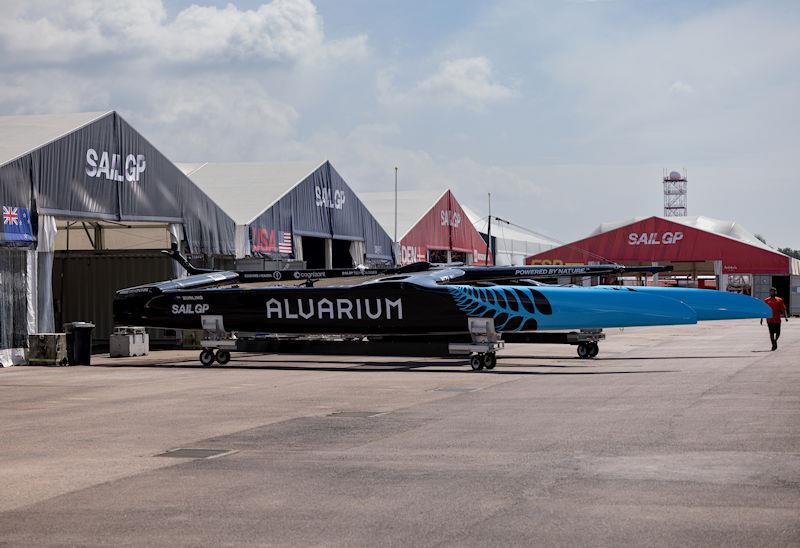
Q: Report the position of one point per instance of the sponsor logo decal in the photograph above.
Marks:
(560, 271)
(309, 274)
(327, 197)
(334, 309)
(113, 167)
(200, 308)
(654, 238)
(512, 308)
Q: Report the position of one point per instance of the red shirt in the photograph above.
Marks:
(778, 307)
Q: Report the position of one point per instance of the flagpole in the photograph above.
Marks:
(489, 232)
(395, 206)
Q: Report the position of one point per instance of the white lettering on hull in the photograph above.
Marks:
(340, 309)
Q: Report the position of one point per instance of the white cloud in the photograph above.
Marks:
(681, 88)
(736, 98)
(215, 119)
(208, 84)
(281, 31)
(459, 83)
(366, 158)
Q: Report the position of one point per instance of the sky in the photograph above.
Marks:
(567, 111)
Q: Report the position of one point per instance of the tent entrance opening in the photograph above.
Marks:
(447, 256)
(314, 252)
(341, 257)
(781, 283)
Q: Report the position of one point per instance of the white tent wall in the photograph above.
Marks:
(512, 245)
(45, 254)
(357, 252)
(509, 251)
(241, 241)
(176, 234)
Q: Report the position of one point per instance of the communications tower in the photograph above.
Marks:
(674, 194)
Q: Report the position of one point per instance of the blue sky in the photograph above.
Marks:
(567, 111)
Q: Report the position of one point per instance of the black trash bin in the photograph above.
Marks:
(79, 342)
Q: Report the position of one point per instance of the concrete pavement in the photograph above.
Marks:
(673, 436)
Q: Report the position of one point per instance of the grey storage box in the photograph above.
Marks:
(47, 349)
(129, 341)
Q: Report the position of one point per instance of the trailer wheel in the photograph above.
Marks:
(223, 357)
(594, 349)
(207, 357)
(489, 360)
(476, 362)
(584, 351)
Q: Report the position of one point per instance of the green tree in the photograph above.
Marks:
(790, 252)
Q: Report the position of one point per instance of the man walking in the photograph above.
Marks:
(774, 323)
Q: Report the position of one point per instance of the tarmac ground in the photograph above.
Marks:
(685, 435)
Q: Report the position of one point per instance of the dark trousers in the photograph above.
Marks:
(774, 332)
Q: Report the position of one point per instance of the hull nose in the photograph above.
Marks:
(713, 305)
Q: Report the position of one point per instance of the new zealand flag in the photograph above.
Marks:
(16, 225)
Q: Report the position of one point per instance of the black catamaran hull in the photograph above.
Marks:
(413, 305)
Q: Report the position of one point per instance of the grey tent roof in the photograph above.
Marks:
(245, 190)
(412, 205)
(22, 134)
(50, 157)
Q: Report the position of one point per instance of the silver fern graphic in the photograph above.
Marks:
(513, 308)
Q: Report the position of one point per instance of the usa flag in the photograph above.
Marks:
(16, 224)
(285, 245)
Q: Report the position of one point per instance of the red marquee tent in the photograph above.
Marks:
(670, 240)
(428, 222)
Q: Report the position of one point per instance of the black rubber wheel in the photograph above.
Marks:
(476, 362)
(594, 349)
(583, 351)
(207, 357)
(223, 357)
(489, 360)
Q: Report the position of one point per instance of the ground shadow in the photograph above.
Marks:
(378, 367)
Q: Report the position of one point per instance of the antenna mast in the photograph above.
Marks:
(675, 194)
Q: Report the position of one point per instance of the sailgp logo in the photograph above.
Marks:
(450, 218)
(654, 238)
(329, 198)
(112, 168)
(334, 309)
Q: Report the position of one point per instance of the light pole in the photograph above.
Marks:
(489, 233)
(395, 206)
